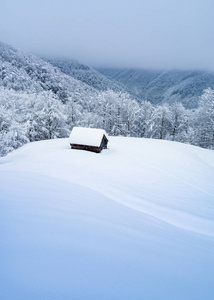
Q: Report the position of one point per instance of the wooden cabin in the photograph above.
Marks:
(90, 139)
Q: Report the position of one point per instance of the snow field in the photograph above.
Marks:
(134, 222)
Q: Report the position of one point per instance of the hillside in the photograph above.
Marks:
(134, 222)
(85, 74)
(67, 78)
(25, 72)
(163, 87)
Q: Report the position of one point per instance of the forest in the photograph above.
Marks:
(28, 117)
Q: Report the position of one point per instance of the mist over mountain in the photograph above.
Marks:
(160, 87)
(85, 74)
(25, 72)
(69, 78)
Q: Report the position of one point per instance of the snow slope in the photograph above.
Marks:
(134, 222)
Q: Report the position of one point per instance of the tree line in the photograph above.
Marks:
(27, 117)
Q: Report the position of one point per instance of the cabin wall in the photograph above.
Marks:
(85, 147)
(103, 144)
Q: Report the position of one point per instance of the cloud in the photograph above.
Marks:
(146, 34)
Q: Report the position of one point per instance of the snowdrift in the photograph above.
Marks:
(134, 222)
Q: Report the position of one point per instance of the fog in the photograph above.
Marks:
(157, 34)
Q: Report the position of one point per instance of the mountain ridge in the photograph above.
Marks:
(69, 78)
(84, 73)
(160, 87)
(27, 72)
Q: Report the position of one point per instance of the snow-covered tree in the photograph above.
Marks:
(73, 111)
(51, 119)
(145, 119)
(161, 122)
(178, 119)
(204, 122)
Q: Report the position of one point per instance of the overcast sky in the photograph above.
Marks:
(158, 34)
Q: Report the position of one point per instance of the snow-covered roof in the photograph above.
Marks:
(87, 136)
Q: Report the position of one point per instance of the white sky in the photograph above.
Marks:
(121, 33)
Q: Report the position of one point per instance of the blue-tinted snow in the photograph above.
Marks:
(134, 222)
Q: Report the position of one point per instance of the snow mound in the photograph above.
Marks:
(134, 222)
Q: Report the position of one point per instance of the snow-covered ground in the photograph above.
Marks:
(134, 222)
